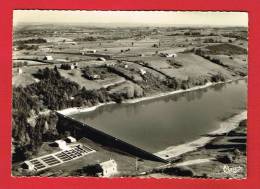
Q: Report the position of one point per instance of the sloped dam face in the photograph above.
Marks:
(157, 124)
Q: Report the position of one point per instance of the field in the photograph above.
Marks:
(135, 44)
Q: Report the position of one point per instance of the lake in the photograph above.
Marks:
(159, 123)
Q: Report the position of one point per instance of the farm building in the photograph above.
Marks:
(92, 76)
(72, 66)
(101, 59)
(88, 51)
(71, 139)
(20, 70)
(142, 71)
(28, 165)
(61, 144)
(168, 55)
(69, 66)
(110, 64)
(109, 168)
(61, 60)
(71, 42)
(46, 49)
(48, 57)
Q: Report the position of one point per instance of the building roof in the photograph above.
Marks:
(60, 142)
(88, 50)
(72, 139)
(48, 57)
(29, 164)
(101, 58)
(108, 164)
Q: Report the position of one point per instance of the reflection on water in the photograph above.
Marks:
(156, 124)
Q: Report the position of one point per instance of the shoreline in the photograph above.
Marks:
(209, 84)
(76, 110)
(225, 127)
(175, 151)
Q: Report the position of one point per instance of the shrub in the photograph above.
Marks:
(118, 98)
(179, 171)
(65, 66)
(89, 38)
(215, 60)
(243, 123)
(218, 77)
(237, 152)
(155, 46)
(204, 175)
(90, 170)
(226, 159)
(27, 47)
(171, 83)
(38, 40)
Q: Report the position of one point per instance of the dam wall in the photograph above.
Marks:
(79, 130)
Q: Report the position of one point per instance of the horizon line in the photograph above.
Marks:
(117, 24)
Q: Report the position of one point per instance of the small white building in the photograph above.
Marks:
(69, 66)
(20, 70)
(88, 51)
(168, 55)
(28, 165)
(61, 144)
(93, 76)
(48, 57)
(46, 49)
(96, 76)
(71, 42)
(72, 66)
(101, 59)
(142, 71)
(71, 139)
(110, 64)
(61, 60)
(173, 55)
(109, 168)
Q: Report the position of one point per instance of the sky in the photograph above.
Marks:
(153, 18)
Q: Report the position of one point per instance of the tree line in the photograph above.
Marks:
(29, 41)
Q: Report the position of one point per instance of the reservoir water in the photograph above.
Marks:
(157, 124)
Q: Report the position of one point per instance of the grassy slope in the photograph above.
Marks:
(193, 66)
(226, 48)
